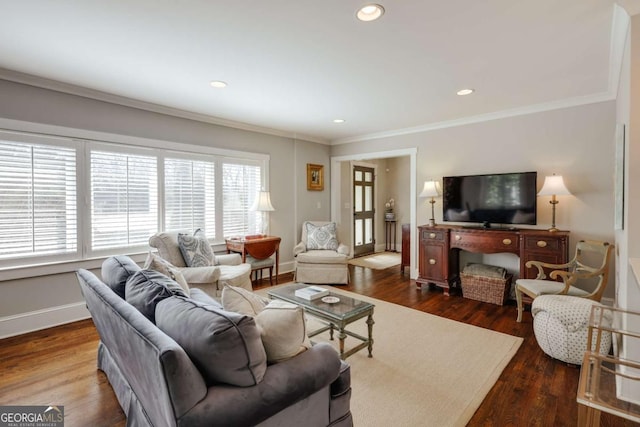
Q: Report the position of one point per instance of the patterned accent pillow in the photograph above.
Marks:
(322, 236)
(196, 250)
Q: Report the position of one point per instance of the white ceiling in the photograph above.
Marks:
(295, 65)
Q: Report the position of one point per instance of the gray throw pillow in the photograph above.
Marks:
(322, 236)
(196, 249)
(226, 347)
(146, 288)
(116, 270)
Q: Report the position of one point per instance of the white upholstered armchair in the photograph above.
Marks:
(227, 270)
(320, 257)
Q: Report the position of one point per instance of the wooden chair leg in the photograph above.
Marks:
(519, 302)
(271, 276)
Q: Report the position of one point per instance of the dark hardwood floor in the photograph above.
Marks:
(57, 366)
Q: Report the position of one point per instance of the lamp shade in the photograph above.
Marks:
(262, 202)
(430, 189)
(554, 186)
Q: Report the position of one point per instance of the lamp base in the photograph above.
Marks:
(553, 230)
(432, 222)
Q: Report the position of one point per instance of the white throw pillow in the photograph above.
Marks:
(240, 300)
(283, 330)
(322, 236)
(154, 262)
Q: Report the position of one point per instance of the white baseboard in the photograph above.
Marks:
(41, 319)
(286, 267)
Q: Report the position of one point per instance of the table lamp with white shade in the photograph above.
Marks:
(262, 204)
(431, 190)
(553, 186)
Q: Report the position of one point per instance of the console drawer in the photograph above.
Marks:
(433, 235)
(486, 242)
(540, 243)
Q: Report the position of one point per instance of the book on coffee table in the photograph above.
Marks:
(311, 293)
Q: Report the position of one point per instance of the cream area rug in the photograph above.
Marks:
(426, 370)
(378, 261)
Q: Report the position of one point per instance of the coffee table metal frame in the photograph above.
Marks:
(336, 316)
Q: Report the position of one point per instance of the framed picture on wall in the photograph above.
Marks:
(315, 177)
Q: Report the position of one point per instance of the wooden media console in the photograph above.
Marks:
(439, 250)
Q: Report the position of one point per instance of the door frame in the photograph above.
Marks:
(336, 202)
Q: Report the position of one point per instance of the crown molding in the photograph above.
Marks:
(41, 82)
(530, 109)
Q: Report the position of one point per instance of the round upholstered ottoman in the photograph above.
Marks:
(561, 327)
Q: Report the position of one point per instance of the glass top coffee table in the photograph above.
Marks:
(336, 315)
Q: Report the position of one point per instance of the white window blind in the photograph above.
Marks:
(38, 210)
(189, 195)
(240, 186)
(124, 199)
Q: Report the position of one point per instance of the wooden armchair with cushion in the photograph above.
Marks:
(319, 257)
(590, 264)
(203, 269)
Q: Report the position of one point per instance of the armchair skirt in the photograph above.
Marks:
(321, 266)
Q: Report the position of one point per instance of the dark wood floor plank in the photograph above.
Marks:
(58, 365)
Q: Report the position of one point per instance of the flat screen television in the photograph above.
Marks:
(506, 198)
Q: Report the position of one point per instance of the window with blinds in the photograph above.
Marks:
(38, 209)
(189, 195)
(66, 199)
(124, 199)
(240, 186)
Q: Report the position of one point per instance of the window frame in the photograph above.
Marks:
(55, 141)
(83, 142)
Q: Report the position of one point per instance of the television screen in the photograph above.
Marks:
(507, 198)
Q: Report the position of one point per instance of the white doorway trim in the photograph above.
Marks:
(336, 179)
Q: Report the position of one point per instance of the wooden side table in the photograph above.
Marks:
(390, 238)
(259, 247)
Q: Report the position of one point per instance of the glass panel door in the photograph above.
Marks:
(363, 210)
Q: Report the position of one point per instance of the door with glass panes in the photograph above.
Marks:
(363, 210)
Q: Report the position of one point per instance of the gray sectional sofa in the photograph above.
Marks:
(158, 383)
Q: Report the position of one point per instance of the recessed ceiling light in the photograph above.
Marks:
(370, 12)
(218, 84)
(463, 92)
(338, 120)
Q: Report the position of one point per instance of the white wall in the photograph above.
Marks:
(576, 142)
(628, 239)
(25, 107)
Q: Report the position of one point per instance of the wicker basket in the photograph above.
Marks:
(486, 289)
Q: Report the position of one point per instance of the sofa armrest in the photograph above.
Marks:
(299, 248)
(284, 384)
(201, 275)
(228, 259)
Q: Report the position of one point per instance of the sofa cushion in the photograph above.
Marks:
(201, 296)
(322, 257)
(321, 236)
(240, 300)
(225, 346)
(146, 288)
(283, 330)
(154, 262)
(116, 270)
(196, 249)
